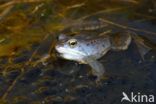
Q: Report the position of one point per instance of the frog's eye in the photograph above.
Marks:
(72, 43)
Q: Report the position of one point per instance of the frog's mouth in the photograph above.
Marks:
(62, 50)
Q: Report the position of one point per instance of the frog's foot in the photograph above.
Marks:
(100, 79)
(142, 47)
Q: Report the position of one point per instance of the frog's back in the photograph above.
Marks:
(97, 47)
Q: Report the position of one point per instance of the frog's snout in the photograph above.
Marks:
(57, 47)
(57, 50)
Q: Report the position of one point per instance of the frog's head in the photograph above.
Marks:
(70, 48)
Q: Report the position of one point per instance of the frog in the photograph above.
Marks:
(88, 50)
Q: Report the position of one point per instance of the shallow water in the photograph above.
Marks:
(66, 82)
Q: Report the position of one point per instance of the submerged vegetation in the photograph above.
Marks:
(26, 26)
(31, 20)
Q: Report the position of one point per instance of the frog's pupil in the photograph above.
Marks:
(73, 43)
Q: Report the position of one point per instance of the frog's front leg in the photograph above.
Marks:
(97, 69)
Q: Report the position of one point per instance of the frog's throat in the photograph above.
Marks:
(70, 51)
